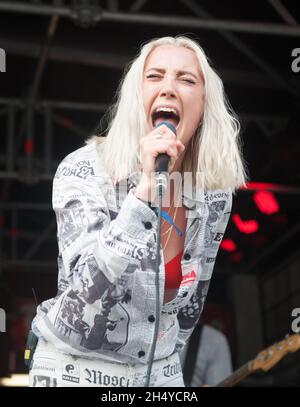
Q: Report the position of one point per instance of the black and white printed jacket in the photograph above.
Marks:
(105, 304)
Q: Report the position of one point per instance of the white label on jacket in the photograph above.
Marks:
(189, 274)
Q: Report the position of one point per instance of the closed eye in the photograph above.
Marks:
(189, 80)
(158, 76)
(153, 75)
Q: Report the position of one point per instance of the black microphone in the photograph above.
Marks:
(162, 164)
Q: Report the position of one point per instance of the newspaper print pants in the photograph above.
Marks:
(52, 368)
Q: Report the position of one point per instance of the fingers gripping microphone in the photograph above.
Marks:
(161, 165)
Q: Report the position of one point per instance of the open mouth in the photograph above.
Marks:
(165, 114)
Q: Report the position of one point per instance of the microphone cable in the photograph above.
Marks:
(157, 304)
(161, 186)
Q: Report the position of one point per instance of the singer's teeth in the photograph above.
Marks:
(164, 113)
(166, 109)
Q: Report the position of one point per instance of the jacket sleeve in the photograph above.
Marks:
(98, 247)
(216, 223)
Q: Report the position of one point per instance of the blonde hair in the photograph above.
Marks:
(214, 151)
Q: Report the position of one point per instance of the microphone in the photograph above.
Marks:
(162, 164)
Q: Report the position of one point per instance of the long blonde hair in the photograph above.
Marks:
(214, 151)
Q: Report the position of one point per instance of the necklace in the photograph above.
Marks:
(170, 230)
(171, 221)
(166, 231)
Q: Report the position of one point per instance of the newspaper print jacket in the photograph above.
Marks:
(105, 303)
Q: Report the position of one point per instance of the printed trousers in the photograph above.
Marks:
(53, 368)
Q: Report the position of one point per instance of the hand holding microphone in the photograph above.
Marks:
(159, 151)
(162, 164)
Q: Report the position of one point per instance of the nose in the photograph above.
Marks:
(168, 88)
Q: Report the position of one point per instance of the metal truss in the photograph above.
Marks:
(85, 8)
(31, 170)
(27, 168)
(90, 13)
(244, 49)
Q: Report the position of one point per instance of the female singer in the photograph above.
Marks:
(102, 328)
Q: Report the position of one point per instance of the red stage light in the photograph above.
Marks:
(266, 202)
(267, 186)
(245, 226)
(228, 245)
(259, 186)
